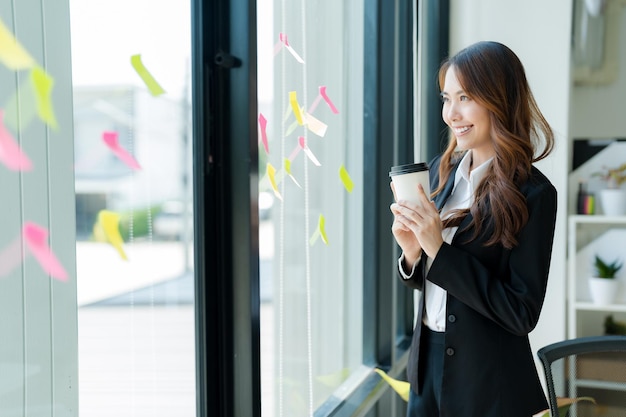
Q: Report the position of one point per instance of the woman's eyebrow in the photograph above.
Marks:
(444, 93)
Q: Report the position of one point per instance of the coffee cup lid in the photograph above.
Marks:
(408, 168)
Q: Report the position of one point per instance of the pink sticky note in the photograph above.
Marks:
(277, 47)
(295, 152)
(36, 238)
(307, 151)
(11, 154)
(313, 105)
(327, 100)
(263, 125)
(283, 38)
(111, 140)
(10, 257)
(314, 125)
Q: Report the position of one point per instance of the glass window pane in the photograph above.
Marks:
(133, 207)
(310, 69)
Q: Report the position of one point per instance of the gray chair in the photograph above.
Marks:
(586, 366)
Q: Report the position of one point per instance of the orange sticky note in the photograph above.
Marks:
(36, 238)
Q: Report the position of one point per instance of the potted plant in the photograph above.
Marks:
(613, 197)
(603, 284)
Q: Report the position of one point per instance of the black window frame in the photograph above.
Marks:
(226, 200)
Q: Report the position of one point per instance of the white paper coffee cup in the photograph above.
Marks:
(405, 179)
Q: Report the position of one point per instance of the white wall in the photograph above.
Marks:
(38, 329)
(539, 33)
(598, 110)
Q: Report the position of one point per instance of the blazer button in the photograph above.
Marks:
(449, 351)
(451, 318)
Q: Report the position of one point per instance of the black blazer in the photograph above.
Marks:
(494, 298)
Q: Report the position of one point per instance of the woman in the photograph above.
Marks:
(480, 251)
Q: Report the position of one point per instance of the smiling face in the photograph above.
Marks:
(469, 121)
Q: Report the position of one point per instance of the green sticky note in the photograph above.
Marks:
(291, 128)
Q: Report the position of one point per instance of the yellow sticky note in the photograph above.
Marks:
(110, 224)
(287, 165)
(321, 227)
(293, 100)
(335, 379)
(148, 79)
(401, 387)
(21, 107)
(12, 54)
(271, 174)
(320, 231)
(43, 84)
(345, 178)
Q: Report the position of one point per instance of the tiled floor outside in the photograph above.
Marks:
(137, 335)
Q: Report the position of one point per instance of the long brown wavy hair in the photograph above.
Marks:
(493, 75)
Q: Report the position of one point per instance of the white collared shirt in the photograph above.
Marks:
(462, 197)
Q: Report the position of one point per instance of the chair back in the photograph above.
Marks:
(586, 367)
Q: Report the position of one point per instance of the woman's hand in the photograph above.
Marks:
(417, 226)
(404, 236)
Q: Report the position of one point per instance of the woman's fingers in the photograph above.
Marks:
(424, 200)
(400, 210)
(399, 222)
(393, 190)
(423, 221)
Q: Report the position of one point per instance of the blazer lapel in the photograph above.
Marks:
(441, 198)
